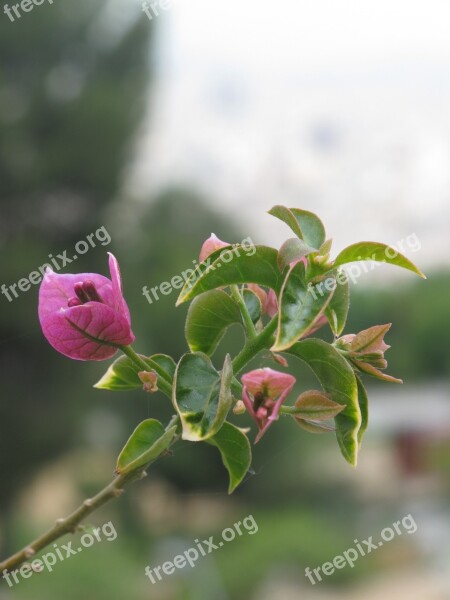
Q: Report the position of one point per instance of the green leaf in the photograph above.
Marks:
(314, 426)
(363, 401)
(122, 375)
(148, 441)
(306, 225)
(293, 249)
(202, 396)
(284, 214)
(165, 362)
(229, 266)
(208, 318)
(253, 304)
(325, 248)
(376, 252)
(299, 307)
(235, 449)
(337, 309)
(338, 380)
(314, 405)
(312, 227)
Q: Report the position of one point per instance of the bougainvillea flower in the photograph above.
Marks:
(269, 302)
(366, 351)
(211, 245)
(263, 393)
(85, 316)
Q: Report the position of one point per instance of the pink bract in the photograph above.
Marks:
(211, 245)
(264, 392)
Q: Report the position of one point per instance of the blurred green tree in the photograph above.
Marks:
(73, 81)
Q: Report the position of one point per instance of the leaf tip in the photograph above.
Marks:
(352, 459)
(100, 385)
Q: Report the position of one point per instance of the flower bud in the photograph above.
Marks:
(150, 380)
(211, 245)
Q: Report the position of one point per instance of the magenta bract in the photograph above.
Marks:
(85, 316)
(264, 392)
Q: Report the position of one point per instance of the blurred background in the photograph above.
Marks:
(200, 119)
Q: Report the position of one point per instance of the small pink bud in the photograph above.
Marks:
(211, 245)
(74, 302)
(150, 381)
(279, 358)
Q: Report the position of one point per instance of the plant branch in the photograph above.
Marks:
(252, 347)
(249, 325)
(71, 523)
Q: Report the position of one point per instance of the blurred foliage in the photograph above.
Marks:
(69, 107)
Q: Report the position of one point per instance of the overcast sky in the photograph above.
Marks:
(339, 107)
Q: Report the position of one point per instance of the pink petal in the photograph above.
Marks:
(269, 301)
(119, 302)
(273, 382)
(271, 306)
(83, 332)
(248, 403)
(56, 290)
(274, 414)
